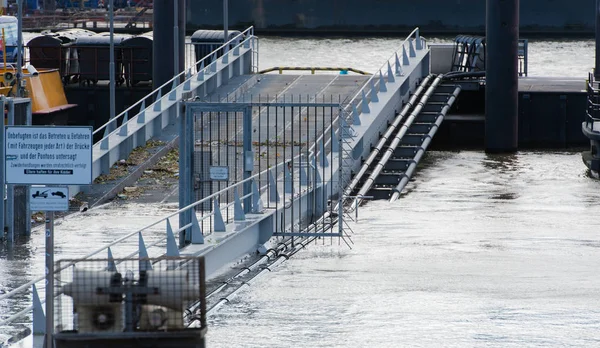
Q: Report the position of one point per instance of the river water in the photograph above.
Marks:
(480, 251)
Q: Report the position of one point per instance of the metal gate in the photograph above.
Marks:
(284, 145)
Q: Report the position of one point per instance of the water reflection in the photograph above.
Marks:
(486, 250)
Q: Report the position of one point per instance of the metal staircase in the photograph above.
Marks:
(393, 161)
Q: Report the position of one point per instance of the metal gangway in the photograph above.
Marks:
(298, 194)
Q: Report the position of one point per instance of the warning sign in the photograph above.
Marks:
(47, 198)
(48, 155)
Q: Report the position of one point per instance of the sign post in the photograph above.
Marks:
(49, 279)
(48, 156)
(49, 199)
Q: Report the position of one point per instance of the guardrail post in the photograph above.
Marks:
(104, 142)
(218, 223)
(382, 87)
(323, 156)
(123, 130)
(390, 74)
(173, 94)
(303, 176)
(257, 204)
(187, 85)
(411, 48)
(172, 249)
(288, 185)
(225, 59)
(200, 76)
(238, 210)
(273, 194)
(335, 146)
(157, 106)
(236, 51)
(110, 263)
(144, 263)
(197, 236)
(355, 116)
(213, 65)
(418, 41)
(405, 60)
(317, 176)
(142, 114)
(398, 66)
(39, 319)
(365, 104)
(374, 97)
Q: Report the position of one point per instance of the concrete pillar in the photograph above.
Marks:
(163, 48)
(597, 65)
(501, 92)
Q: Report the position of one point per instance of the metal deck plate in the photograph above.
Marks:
(551, 85)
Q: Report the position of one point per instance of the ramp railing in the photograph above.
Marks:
(166, 245)
(145, 119)
(358, 105)
(387, 72)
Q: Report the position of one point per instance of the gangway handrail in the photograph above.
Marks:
(359, 93)
(250, 31)
(27, 285)
(383, 67)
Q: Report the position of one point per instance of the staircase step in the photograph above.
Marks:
(394, 164)
(419, 128)
(391, 179)
(427, 116)
(433, 106)
(445, 89)
(380, 193)
(412, 139)
(439, 97)
(405, 152)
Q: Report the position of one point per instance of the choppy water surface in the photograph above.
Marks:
(547, 57)
(482, 251)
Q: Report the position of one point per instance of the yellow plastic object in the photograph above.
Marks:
(4, 90)
(46, 92)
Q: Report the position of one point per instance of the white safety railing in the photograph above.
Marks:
(152, 96)
(377, 82)
(114, 145)
(171, 250)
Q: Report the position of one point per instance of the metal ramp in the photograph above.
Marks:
(291, 191)
(393, 161)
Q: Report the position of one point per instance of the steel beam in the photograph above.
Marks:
(597, 65)
(163, 40)
(502, 74)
